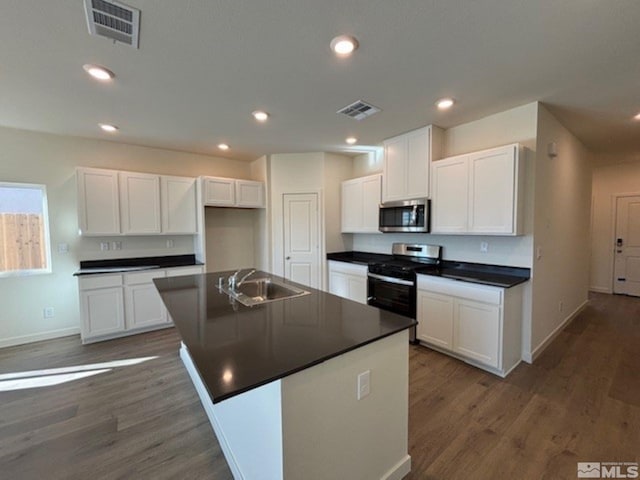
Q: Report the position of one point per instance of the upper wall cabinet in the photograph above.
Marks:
(130, 203)
(98, 202)
(479, 193)
(139, 203)
(360, 202)
(230, 192)
(178, 197)
(407, 158)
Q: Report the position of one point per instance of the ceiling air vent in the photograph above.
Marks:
(113, 20)
(359, 110)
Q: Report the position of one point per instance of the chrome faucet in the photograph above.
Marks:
(233, 281)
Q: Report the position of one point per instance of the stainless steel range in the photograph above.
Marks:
(391, 284)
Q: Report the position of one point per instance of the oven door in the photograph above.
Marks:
(393, 294)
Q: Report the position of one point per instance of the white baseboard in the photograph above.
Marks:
(601, 290)
(400, 470)
(545, 343)
(38, 337)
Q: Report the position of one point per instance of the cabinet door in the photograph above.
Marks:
(144, 307)
(450, 196)
(476, 332)
(352, 206)
(492, 186)
(418, 163)
(435, 319)
(139, 203)
(371, 198)
(98, 202)
(219, 192)
(394, 178)
(249, 194)
(102, 312)
(338, 284)
(178, 205)
(357, 288)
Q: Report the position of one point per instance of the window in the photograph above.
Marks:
(24, 229)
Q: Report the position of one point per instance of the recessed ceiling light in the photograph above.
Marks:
(260, 116)
(344, 45)
(445, 103)
(637, 117)
(351, 140)
(99, 72)
(108, 128)
(223, 146)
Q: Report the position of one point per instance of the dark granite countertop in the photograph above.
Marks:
(362, 258)
(115, 265)
(494, 275)
(237, 348)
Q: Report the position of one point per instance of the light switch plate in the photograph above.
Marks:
(364, 384)
(104, 246)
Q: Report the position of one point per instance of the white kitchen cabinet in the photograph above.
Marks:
(360, 204)
(124, 304)
(249, 194)
(230, 192)
(479, 193)
(143, 305)
(348, 280)
(219, 192)
(112, 202)
(406, 166)
(480, 324)
(450, 202)
(101, 305)
(139, 203)
(98, 201)
(178, 195)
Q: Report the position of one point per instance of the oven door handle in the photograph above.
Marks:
(397, 281)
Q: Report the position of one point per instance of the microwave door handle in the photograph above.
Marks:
(414, 215)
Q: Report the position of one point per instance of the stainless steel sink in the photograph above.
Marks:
(257, 291)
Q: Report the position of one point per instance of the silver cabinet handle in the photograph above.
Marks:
(391, 279)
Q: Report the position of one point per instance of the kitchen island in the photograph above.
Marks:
(312, 387)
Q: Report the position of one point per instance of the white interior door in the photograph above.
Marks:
(626, 277)
(301, 238)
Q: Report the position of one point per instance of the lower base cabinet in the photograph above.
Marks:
(477, 323)
(116, 305)
(348, 280)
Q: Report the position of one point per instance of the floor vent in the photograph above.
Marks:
(113, 20)
(359, 110)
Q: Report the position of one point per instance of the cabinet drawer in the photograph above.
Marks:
(349, 268)
(469, 291)
(99, 281)
(177, 271)
(139, 278)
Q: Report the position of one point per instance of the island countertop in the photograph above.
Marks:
(237, 348)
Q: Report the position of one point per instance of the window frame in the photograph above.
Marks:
(46, 233)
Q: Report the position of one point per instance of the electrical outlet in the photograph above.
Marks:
(538, 253)
(48, 312)
(560, 306)
(169, 243)
(104, 246)
(116, 245)
(63, 248)
(484, 247)
(364, 384)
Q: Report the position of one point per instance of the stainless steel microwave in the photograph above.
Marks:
(405, 216)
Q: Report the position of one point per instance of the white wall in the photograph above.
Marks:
(608, 180)
(231, 237)
(262, 237)
(368, 163)
(561, 226)
(337, 168)
(51, 160)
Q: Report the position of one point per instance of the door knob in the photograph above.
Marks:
(288, 258)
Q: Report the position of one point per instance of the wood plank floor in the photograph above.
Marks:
(580, 401)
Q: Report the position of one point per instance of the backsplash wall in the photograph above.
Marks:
(511, 251)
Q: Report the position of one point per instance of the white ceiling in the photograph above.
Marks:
(204, 65)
